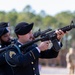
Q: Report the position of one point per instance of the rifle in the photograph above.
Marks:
(47, 36)
(39, 32)
(51, 36)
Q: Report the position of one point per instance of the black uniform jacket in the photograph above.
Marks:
(5, 69)
(25, 61)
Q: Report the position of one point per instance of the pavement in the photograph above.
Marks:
(54, 71)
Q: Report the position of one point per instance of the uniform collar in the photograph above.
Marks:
(20, 42)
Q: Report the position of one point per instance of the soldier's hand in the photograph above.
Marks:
(44, 45)
(60, 34)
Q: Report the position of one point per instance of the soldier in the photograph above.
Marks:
(5, 69)
(4, 29)
(7, 26)
(70, 59)
(24, 61)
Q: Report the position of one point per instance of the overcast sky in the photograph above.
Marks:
(51, 7)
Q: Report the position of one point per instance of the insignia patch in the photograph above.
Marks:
(12, 53)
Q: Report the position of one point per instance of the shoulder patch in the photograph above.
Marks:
(11, 53)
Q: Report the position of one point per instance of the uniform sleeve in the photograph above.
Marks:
(16, 58)
(2, 59)
(50, 53)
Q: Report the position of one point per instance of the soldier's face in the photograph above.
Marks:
(27, 37)
(6, 37)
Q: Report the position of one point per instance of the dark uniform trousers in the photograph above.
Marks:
(26, 61)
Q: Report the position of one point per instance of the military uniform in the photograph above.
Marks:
(25, 61)
(5, 69)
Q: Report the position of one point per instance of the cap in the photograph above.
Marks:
(4, 24)
(23, 28)
(3, 31)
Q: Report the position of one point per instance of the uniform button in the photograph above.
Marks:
(19, 45)
(32, 62)
(0, 46)
(33, 68)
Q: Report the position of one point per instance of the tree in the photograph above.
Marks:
(2, 16)
(12, 17)
(64, 17)
(27, 9)
(42, 13)
(49, 21)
